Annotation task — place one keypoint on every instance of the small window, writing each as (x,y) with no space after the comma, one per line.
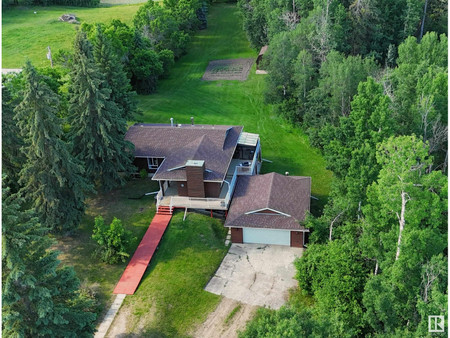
(152,162)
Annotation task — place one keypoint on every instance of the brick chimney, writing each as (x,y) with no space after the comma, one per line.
(194,175)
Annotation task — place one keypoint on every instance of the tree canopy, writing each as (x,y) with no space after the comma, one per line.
(39,298)
(51,179)
(97,127)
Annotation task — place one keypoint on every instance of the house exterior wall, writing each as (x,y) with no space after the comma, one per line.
(297,239)
(236,235)
(195,185)
(142,163)
(212,189)
(182,188)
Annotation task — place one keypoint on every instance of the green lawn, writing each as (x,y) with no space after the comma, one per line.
(184,94)
(27,35)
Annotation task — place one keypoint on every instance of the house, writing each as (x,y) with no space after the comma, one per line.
(268,209)
(196,166)
(217,167)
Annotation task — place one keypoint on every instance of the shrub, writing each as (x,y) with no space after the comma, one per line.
(113,240)
(143,173)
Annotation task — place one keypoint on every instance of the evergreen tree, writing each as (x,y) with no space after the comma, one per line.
(97,129)
(115,76)
(51,178)
(12,157)
(38,297)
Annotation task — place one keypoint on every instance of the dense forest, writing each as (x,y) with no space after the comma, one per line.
(367,81)
(63,132)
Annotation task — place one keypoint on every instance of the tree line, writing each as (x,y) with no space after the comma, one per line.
(373,99)
(64,139)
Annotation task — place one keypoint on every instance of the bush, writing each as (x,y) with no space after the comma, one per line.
(113,240)
(143,173)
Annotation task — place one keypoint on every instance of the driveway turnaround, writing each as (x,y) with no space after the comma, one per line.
(256,274)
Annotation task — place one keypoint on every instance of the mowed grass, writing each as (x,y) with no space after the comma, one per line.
(183,94)
(26,35)
(170,300)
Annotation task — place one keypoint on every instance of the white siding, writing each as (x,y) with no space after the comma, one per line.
(266,236)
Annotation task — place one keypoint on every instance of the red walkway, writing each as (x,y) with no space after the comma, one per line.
(133,273)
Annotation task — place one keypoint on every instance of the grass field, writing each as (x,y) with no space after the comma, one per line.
(184,94)
(27,35)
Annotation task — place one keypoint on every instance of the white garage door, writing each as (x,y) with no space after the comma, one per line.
(266,236)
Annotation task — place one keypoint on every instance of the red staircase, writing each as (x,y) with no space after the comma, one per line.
(164,210)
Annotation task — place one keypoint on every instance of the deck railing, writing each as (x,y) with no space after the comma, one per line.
(159,197)
(231,186)
(198,202)
(244,170)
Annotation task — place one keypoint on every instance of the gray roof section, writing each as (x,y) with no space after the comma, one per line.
(213,144)
(287,194)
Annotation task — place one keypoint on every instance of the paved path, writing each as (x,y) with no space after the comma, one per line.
(109,317)
(133,273)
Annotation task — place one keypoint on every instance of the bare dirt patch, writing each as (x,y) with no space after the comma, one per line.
(233,69)
(216,324)
(119,325)
(127,324)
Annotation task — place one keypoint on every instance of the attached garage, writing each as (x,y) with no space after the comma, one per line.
(266,236)
(268,209)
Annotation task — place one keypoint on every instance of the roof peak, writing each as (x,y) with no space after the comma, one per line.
(184,126)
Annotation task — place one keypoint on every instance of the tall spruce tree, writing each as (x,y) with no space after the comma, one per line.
(12,157)
(97,129)
(116,78)
(39,299)
(51,179)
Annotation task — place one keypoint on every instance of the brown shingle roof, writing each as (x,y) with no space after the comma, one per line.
(286,194)
(213,144)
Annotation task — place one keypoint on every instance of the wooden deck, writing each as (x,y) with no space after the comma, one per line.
(133,273)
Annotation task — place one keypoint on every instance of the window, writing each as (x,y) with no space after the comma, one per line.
(153,162)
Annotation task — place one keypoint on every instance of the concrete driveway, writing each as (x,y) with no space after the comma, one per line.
(256,274)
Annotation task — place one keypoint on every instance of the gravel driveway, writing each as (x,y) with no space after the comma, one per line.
(256,274)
